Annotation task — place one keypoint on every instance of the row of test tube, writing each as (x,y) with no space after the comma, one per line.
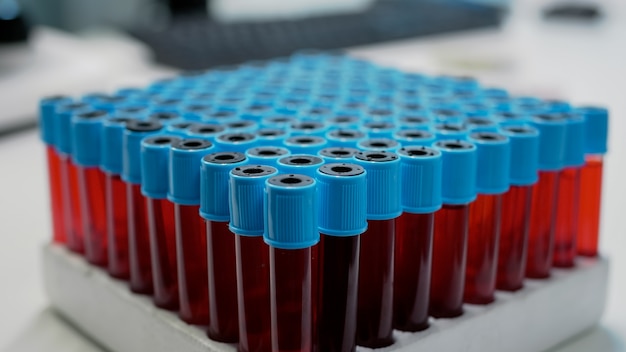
(317,202)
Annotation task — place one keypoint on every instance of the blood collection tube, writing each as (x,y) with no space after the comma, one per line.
(191,244)
(515,224)
(247,187)
(266,155)
(70,196)
(271,137)
(47,109)
(379,129)
(115,197)
(208,131)
(242,126)
(155,151)
(303,164)
(179,129)
(165,117)
(291,233)
(345,120)
(566,230)
(481,124)
(337,154)
(543,209)
(596,130)
(305,144)
(235,142)
(414,122)
(378,144)
(278,121)
(458,190)
(138,235)
(342,209)
(86,144)
(411,137)
(493,155)
(420,197)
(347,138)
(375,292)
(450,131)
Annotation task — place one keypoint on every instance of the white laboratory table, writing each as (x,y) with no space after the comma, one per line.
(581,63)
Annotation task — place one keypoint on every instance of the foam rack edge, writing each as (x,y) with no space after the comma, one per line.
(536,318)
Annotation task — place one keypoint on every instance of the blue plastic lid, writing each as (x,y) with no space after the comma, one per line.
(447,131)
(448,116)
(308,128)
(305,144)
(179,129)
(208,131)
(493,158)
(345,120)
(524,140)
(376,144)
(196,111)
(221,115)
(574,141)
(105,102)
(246,192)
(63,125)
(556,106)
(410,137)
(337,154)
(420,179)
(135,131)
(214,175)
(291,212)
(131,109)
(256,111)
(341,199)
(242,126)
(166,117)
(383,183)
(304,164)
(348,138)
(112,142)
(87,137)
(459,165)
(235,142)
(47,110)
(379,129)
(414,122)
(596,128)
(155,157)
(185,157)
(271,136)
(278,121)
(552,129)
(266,155)
(481,124)
(509,117)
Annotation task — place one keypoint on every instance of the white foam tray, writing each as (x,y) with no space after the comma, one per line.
(536,318)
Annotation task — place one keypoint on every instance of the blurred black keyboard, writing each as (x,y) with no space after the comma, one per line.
(195,42)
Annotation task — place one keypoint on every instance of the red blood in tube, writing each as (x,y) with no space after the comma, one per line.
(92,201)
(413,262)
(71,205)
(222,276)
(375,302)
(138,241)
(565,234)
(337,300)
(449,261)
(482,249)
(590,199)
(542,225)
(291,299)
(117,227)
(163,252)
(191,254)
(253,294)
(514,237)
(56,196)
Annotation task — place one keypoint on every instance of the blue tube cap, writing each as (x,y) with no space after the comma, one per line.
(458,171)
(337,154)
(574,141)
(308,128)
(208,131)
(63,125)
(411,137)
(344,137)
(47,110)
(552,129)
(481,124)
(86,137)
(185,157)
(271,136)
(266,155)
(524,140)
(291,212)
(155,156)
(450,131)
(135,131)
(596,128)
(246,192)
(414,122)
(378,144)
(214,174)
(493,155)
(112,142)
(420,179)
(304,164)
(235,142)
(342,199)
(305,144)
(383,183)
(179,129)
(379,129)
